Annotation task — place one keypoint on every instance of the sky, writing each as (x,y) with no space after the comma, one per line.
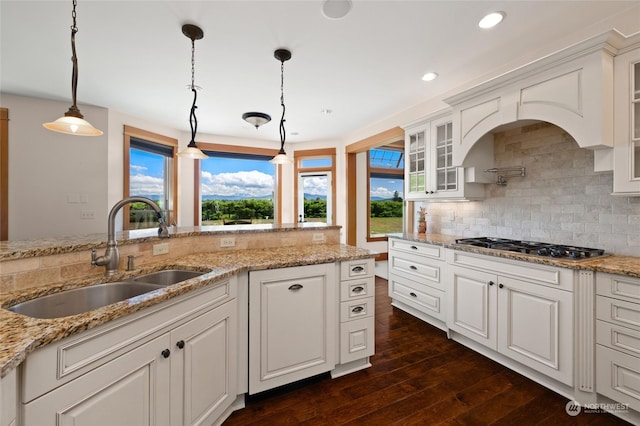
(232,177)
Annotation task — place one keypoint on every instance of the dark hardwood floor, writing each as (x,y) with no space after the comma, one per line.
(418,377)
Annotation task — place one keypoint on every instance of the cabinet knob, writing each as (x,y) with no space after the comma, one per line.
(357,309)
(412,294)
(501,285)
(180,344)
(358,289)
(165,353)
(414,248)
(295,287)
(357,269)
(413,267)
(491,283)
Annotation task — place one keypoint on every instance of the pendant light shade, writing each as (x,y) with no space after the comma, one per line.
(73,122)
(192,151)
(282,55)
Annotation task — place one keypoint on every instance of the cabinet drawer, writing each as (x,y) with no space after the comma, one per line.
(356,309)
(357,269)
(618,312)
(356,289)
(620,338)
(424,298)
(414,268)
(618,286)
(52,365)
(427,250)
(357,339)
(618,376)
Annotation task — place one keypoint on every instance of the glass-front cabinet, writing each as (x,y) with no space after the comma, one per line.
(626,168)
(430,174)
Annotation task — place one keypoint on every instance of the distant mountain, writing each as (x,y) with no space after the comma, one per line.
(381,199)
(234,197)
(314,196)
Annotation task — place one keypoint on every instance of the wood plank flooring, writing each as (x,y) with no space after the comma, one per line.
(418,377)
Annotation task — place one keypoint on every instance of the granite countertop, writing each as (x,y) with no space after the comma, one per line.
(44,247)
(20,335)
(612,264)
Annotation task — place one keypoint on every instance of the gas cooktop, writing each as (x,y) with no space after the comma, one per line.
(534,248)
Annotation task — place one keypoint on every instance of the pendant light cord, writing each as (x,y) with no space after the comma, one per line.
(283,133)
(193,120)
(73,110)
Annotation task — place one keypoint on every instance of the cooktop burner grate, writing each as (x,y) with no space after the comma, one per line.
(533,247)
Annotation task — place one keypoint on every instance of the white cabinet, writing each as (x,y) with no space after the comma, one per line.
(292,324)
(8,399)
(173,364)
(514,309)
(429,172)
(357,310)
(626,151)
(618,338)
(416,279)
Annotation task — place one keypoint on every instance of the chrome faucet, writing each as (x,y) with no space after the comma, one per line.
(111,258)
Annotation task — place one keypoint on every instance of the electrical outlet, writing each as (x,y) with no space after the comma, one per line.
(227,242)
(87,215)
(318,238)
(160,249)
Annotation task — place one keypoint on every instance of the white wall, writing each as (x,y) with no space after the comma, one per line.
(48,192)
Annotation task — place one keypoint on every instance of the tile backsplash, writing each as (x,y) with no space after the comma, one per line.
(560,200)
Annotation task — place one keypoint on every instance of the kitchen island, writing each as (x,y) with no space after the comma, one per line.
(296,250)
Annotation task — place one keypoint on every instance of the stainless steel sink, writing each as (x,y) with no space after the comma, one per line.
(80,300)
(168,276)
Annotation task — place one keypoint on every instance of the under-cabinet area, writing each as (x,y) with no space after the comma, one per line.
(192,358)
(568,328)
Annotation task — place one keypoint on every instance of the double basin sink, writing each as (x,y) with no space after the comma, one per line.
(85,299)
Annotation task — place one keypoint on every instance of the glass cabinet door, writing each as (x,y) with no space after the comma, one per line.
(446,174)
(635,123)
(416,161)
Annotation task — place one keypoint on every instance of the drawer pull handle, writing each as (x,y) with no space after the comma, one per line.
(414,247)
(413,267)
(180,344)
(357,269)
(357,309)
(412,294)
(165,353)
(358,289)
(295,287)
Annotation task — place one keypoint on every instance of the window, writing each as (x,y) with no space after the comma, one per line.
(151,171)
(386,191)
(236,185)
(315,188)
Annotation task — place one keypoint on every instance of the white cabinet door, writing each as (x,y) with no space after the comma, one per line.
(203,366)
(292,324)
(130,390)
(626,152)
(472,308)
(416,149)
(535,326)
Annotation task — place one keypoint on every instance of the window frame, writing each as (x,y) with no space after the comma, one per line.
(309,154)
(397,173)
(155,138)
(234,149)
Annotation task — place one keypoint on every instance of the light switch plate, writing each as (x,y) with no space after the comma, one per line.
(160,249)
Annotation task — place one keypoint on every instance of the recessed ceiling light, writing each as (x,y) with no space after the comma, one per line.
(430,76)
(326,111)
(491,20)
(336,9)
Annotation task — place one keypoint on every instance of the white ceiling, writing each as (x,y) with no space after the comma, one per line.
(133,57)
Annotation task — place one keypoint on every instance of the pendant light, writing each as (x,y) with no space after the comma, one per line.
(192,151)
(73,122)
(282,55)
